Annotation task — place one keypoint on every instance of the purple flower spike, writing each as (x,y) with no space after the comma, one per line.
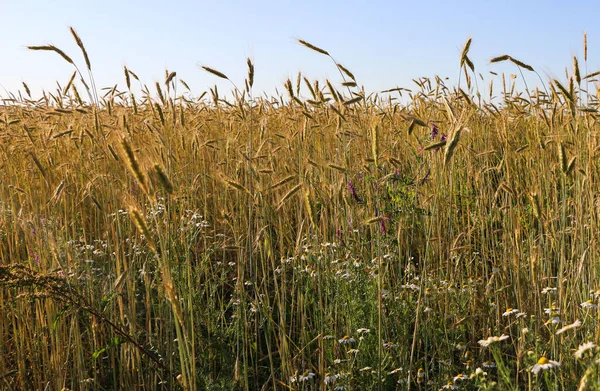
(382,226)
(434,131)
(340,236)
(35,257)
(353,192)
(443,138)
(422,181)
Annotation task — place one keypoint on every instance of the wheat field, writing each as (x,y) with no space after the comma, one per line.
(321,239)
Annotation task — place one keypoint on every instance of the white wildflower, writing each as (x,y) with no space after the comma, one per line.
(589,305)
(486,342)
(346,340)
(571,326)
(544,364)
(330,378)
(584,348)
(510,311)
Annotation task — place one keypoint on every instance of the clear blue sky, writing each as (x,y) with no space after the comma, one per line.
(384,43)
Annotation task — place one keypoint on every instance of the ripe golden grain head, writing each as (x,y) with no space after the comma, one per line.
(134,166)
(79,42)
(313,47)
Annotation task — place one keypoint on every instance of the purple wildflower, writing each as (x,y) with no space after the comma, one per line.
(443,138)
(381,222)
(35,257)
(382,226)
(353,191)
(375,187)
(422,181)
(340,236)
(434,131)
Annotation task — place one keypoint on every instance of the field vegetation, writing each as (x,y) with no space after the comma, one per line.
(324,238)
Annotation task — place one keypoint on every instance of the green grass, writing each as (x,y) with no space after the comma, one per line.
(323,239)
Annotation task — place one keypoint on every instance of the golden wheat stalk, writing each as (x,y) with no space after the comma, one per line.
(352,101)
(250,72)
(69,83)
(450,147)
(282,182)
(375,144)
(339,113)
(310,87)
(140,223)
(465,50)
(170,78)
(134,166)
(289,88)
(313,47)
(501,58)
(53,48)
(288,195)
(214,72)
(563,90)
(183,83)
(347,72)
(38,164)
(535,203)
(562,157)
(576,73)
(58,190)
(332,90)
(585,46)
(434,145)
(27,91)
(374,220)
(308,206)
(571,165)
(521,64)
(233,184)
(161,116)
(160,94)
(80,44)
(337,168)
(464,59)
(127,78)
(163,179)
